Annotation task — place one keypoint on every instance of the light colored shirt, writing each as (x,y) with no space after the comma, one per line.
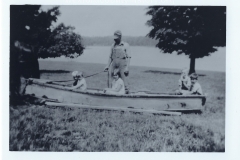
(118,84)
(81,85)
(196,89)
(124,46)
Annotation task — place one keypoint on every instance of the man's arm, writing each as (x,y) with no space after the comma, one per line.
(128,54)
(109,60)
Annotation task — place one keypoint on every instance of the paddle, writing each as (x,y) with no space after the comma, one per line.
(108,79)
(93,74)
(108,83)
(74,80)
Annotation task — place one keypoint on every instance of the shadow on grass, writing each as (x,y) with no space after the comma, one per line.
(166,72)
(53,71)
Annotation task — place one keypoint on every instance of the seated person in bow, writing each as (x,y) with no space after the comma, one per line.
(184,82)
(195,88)
(79,81)
(117,84)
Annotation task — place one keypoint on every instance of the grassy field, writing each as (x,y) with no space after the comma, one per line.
(38,128)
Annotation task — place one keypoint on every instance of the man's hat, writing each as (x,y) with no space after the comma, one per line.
(117,34)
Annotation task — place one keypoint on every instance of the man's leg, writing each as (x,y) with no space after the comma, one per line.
(125,79)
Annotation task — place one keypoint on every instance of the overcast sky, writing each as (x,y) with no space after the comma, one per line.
(104,20)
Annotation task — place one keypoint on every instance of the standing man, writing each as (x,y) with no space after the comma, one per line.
(119,58)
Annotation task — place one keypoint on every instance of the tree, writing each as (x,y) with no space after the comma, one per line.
(62,41)
(29,28)
(31,25)
(30,33)
(194,31)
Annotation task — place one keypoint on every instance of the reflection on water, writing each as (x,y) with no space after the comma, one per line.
(152,57)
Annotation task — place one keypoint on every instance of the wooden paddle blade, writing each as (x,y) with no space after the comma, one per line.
(113,108)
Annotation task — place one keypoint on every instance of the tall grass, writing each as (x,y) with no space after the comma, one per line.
(38,128)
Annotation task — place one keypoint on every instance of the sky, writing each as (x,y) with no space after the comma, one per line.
(104,20)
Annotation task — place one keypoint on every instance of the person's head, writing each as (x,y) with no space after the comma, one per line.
(77,75)
(194,78)
(116,74)
(117,36)
(184,72)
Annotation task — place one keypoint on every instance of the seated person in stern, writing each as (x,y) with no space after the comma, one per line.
(117,84)
(184,82)
(79,81)
(195,88)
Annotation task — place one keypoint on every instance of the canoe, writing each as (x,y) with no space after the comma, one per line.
(134,100)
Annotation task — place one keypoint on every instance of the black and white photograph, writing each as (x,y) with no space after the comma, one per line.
(117,78)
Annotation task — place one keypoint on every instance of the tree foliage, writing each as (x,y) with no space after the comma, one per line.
(62,41)
(192,30)
(31,25)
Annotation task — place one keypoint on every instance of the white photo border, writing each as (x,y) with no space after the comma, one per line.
(232,129)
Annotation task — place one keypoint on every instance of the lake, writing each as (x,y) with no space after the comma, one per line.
(152,57)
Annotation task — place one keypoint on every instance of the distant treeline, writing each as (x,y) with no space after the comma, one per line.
(108,40)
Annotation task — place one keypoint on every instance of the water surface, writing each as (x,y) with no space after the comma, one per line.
(152,57)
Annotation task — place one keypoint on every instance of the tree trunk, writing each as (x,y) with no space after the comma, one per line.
(23,65)
(192,65)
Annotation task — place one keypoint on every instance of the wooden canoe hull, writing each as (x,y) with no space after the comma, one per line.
(98,98)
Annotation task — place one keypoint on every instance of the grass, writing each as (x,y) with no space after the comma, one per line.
(38,128)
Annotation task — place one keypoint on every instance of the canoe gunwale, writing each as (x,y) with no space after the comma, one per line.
(37,82)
